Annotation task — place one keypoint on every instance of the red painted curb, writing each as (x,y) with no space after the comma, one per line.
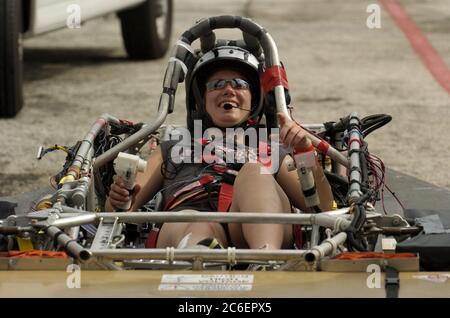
(429,56)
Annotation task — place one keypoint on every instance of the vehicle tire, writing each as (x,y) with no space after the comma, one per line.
(146,29)
(11,93)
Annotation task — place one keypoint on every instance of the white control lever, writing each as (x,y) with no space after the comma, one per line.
(305,160)
(127,166)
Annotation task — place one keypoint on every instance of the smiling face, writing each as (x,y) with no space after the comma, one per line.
(239,98)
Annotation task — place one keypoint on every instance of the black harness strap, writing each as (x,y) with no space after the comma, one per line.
(391,282)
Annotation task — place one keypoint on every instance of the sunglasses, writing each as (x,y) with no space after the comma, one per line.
(237,83)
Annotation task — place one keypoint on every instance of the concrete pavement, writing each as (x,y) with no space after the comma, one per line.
(335,65)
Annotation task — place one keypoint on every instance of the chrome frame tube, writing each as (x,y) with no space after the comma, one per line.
(81,219)
(70,245)
(332,152)
(138,136)
(328,247)
(170,254)
(88,140)
(336,223)
(315,236)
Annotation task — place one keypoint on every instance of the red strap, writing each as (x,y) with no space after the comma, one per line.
(225,197)
(202,141)
(302,150)
(264,149)
(264,154)
(220,168)
(323,147)
(152,238)
(274,76)
(297,229)
(251,122)
(206,179)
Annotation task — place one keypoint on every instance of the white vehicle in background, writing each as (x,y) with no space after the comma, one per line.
(146,28)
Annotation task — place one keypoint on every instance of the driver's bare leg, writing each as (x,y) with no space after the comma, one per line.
(257,192)
(171,234)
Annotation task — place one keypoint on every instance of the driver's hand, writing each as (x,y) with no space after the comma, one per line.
(119,195)
(291,134)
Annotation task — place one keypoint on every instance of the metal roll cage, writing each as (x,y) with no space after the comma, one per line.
(59,220)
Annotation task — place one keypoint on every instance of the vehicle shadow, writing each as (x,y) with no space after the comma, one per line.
(44,63)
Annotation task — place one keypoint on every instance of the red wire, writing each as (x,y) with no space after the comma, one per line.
(378,167)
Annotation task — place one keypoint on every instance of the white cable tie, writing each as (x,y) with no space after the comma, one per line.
(232,255)
(170,254)
(177,60)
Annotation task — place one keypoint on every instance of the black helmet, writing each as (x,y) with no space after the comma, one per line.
(229,57)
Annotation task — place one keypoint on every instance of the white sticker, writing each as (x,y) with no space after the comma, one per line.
(205,287)
(436,278)
(206,279)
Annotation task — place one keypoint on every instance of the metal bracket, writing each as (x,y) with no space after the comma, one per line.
(106,232)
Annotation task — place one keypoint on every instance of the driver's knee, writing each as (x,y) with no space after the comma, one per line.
(251,175)
(189,234)
(254,169)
